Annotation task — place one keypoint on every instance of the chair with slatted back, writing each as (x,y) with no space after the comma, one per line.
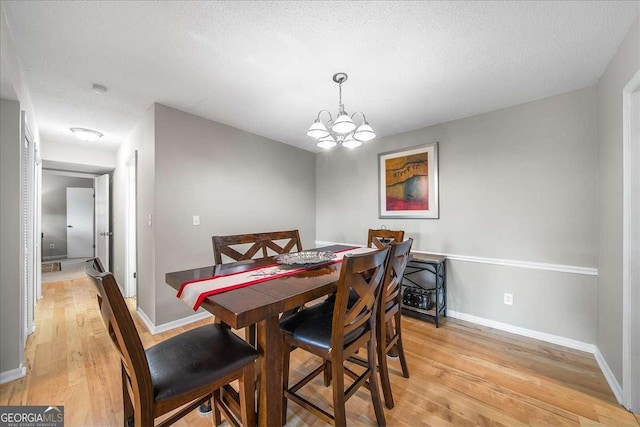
(389,331)
(335,331)
(279,242)
(379,238)
(187,369)
(235,247)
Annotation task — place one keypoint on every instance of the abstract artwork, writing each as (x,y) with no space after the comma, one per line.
(408,184)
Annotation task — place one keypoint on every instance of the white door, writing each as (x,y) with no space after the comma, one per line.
(103,233)
(79,222)
(131,281)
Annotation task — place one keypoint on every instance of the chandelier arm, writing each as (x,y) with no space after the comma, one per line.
(329,113)
(364,118)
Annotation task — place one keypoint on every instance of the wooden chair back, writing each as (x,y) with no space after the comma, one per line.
(360,275)
(389,322)
(98,267)
(123,334)
(279,242)
(379,238)
(391,297)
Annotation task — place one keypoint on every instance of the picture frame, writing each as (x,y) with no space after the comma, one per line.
(408,183)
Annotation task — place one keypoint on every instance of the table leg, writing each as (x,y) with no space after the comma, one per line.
(270,346)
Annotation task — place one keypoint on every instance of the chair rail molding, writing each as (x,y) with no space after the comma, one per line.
(561,268)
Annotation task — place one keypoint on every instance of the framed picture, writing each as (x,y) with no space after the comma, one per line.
(408,182)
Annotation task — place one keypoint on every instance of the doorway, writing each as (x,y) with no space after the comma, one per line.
(102,225)
(631,246)
(53,214)
(131,251)
(30,248)
(80,213)
(88,213)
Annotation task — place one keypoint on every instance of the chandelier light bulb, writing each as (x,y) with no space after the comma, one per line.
(343,124)
(349,142)
(364,133)
(326,142)
(317,130)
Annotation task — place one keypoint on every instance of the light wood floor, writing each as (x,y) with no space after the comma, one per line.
(461,374)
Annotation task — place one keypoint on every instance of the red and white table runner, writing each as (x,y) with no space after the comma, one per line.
(195,292)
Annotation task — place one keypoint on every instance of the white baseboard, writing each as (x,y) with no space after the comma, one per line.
(608,375)
(554,339)
(13,374)
(542,336)
(170,325)
(53,257)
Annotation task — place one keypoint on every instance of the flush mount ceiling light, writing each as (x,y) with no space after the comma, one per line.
(86,135)
(343,130)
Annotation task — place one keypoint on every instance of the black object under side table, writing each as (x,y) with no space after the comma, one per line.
(425,277)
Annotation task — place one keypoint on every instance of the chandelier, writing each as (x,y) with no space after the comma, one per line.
(343,130)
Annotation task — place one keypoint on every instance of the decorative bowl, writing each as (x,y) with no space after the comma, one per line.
(305,257)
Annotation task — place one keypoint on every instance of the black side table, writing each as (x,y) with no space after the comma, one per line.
(427,272)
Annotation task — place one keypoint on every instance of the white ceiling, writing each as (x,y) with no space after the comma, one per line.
(266,67)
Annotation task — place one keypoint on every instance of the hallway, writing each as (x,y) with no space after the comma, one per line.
(70,269)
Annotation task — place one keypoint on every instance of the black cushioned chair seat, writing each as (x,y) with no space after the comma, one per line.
(196,358)
(312,326)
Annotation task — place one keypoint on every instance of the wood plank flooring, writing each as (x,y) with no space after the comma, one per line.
(461,374)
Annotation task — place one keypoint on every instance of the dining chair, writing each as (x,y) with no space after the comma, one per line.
(381,237)
(98,268)
(389,322)
(235,247)
(335,331)
(187,369)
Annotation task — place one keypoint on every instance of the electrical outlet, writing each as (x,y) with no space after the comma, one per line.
(508,299)
(52,245)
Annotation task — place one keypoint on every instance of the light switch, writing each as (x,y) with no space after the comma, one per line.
(196,220)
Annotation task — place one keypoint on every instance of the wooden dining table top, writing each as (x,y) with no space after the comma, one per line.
(245,306)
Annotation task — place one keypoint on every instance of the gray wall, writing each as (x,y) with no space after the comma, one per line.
(237,182)
(516,184)
(10,260)
(142,140)
(620,70)
(54,210)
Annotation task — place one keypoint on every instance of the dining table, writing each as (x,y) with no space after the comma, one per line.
(261,304)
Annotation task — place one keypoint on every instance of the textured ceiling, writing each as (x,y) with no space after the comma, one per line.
(266,67)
